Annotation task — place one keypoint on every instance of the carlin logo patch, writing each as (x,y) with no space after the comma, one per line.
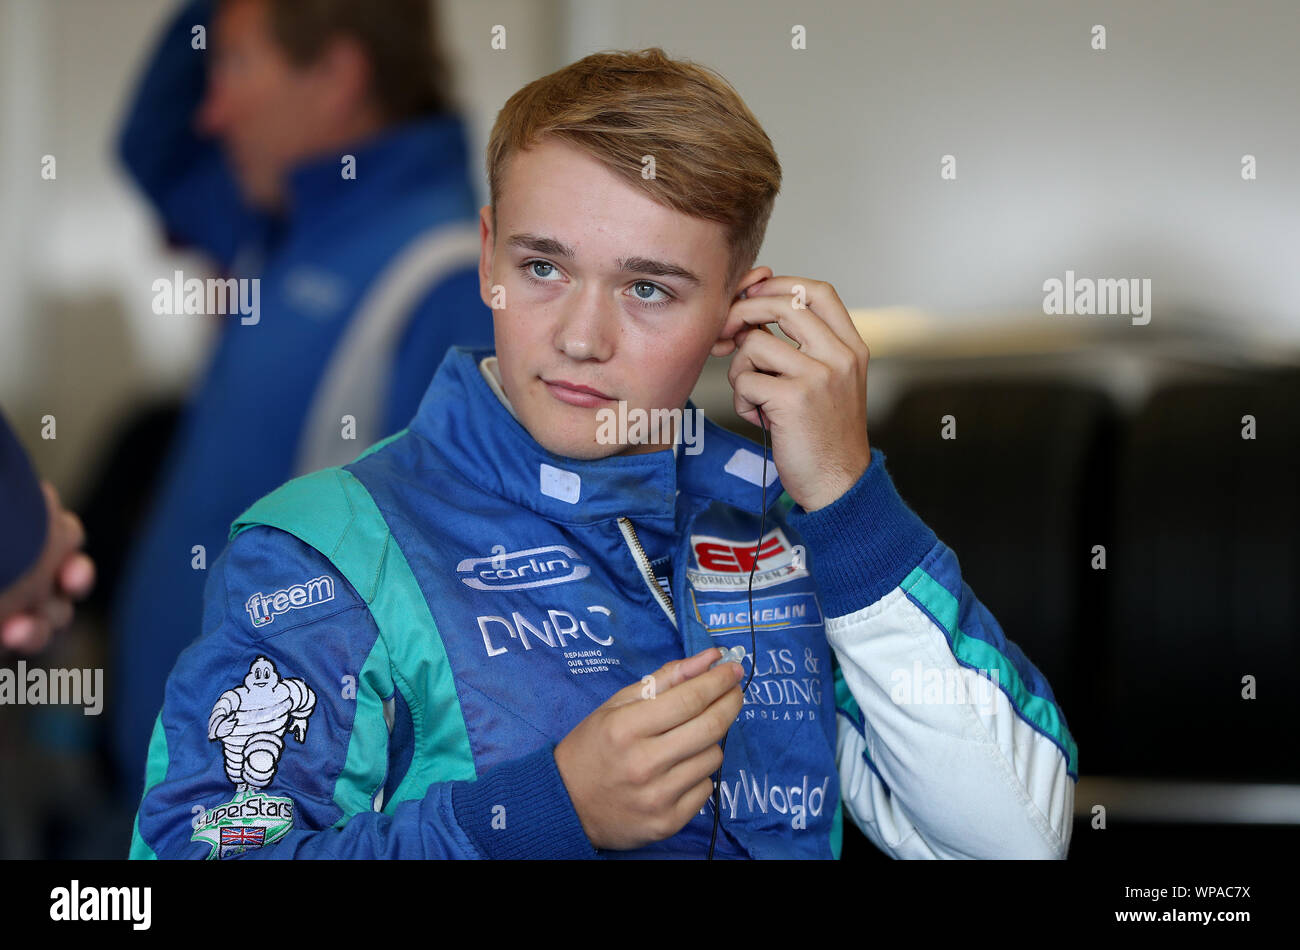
(724,565)
(250,722)
(517,570)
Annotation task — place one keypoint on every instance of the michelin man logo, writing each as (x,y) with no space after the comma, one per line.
(250,722)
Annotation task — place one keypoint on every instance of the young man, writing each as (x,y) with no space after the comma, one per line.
(475,632)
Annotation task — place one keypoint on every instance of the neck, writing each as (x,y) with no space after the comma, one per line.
(356,129)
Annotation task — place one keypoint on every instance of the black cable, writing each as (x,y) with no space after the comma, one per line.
(753,646)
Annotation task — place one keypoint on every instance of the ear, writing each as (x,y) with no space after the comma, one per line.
(347,72)
(725,344)
(487,241)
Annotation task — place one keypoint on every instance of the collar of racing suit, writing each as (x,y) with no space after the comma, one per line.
(484,438)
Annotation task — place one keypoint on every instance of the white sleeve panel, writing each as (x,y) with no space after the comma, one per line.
(967,776)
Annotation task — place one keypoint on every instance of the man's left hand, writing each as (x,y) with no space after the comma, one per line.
(813,395)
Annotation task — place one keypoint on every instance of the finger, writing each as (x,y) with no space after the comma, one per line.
(821,298)
(690,804)
(74,535)
(665,678)
(754,390)
(726,346)
(701,732)
(77,575)
(17,631)
(764,353)
(759,275)
(58,613)
(685,701)
(27,633)
(678,781)
(695,665)
(808,330)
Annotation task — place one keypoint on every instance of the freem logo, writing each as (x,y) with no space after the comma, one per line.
(516,570)
(264,608)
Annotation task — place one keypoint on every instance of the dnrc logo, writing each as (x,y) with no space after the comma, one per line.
(264,608)
(515,570)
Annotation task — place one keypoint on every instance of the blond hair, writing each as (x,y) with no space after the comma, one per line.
(712,159)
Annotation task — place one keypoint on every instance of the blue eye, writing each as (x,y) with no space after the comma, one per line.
(653,287)
(534,276)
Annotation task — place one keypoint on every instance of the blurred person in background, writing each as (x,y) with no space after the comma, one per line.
(310,144)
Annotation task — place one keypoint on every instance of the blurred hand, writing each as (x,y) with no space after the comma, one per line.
(39,604)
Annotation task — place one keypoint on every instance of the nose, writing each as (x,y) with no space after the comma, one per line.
(588,327)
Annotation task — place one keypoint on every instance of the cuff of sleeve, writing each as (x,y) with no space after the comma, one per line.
(863,544)
(26,517)
(536,818)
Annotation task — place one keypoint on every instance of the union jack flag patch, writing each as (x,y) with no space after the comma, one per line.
(240,839)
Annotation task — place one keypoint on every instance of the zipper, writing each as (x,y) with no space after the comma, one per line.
(647,573)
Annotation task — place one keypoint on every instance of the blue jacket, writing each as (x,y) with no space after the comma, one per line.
(391,651)
(363,288)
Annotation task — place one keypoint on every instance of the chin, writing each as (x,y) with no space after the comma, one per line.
(568,443)
(578,448)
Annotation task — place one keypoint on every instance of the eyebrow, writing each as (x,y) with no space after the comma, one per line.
(628,265)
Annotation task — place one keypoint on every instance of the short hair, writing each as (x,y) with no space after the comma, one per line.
(712,159)
(410,76)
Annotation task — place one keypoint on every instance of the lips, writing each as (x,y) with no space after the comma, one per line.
(575,394)
(575,387)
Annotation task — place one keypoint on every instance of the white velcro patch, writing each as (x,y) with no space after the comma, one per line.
(749,466)
(561,484)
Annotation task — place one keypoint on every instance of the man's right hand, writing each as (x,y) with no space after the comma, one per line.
(638,768)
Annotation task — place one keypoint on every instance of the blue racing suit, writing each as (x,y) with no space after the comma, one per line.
(391,651)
